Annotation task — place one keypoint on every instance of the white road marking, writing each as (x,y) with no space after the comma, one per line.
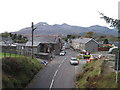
(59,66)
(51,84)
(53,79)
(75,70)
(63,60)
(55,73)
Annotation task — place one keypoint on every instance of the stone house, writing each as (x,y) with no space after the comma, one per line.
(88,44)
(44,46)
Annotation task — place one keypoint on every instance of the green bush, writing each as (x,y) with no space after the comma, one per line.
(17,72)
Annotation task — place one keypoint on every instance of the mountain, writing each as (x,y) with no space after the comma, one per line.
(44,28)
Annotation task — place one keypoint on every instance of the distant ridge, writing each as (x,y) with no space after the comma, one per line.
(44,28)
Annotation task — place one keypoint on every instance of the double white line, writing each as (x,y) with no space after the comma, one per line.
(53,79)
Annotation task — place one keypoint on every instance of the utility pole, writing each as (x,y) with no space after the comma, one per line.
(117,66)
(118,59)
(32,26)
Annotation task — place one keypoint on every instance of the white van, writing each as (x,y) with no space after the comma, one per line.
(113,50)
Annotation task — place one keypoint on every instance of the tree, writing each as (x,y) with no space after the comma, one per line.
(14,36)
(106,41)
(69,36)
(5,34)
(114,22)
(19,37)
(89,35)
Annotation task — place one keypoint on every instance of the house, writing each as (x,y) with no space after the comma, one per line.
(20,48)
(88,44)
(7,40)
(7,45)
(44,46)
(15,48)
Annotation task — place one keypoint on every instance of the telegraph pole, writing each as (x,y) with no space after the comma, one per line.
(118,58)
(32,26)
(117,66)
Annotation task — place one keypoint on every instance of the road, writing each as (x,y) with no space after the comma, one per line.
(58,73)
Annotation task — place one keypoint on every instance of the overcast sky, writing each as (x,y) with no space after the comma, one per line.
(18,14)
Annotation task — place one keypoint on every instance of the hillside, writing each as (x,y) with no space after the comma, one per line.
(64,29)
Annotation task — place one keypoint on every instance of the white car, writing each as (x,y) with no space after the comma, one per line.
(74,61)
(62,53)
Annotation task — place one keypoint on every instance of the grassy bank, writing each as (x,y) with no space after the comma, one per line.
(93,76)
(17,72)
(2,55)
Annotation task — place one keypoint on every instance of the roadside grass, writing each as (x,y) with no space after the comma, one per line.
(93,77)
(17,72)
(2,55)
(90,70)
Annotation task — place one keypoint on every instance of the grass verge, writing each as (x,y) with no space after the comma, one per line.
(93,77)
(3,55)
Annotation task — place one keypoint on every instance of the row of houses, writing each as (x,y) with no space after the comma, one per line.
(91,45)
(43,47)
(48,46)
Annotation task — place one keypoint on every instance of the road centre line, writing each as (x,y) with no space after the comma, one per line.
(59,66)
(53,79)
(55,73)
(75,69)
(51,84)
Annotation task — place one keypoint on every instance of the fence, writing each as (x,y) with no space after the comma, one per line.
(13,52)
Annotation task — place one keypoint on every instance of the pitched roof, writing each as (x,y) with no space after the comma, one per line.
(7,40)
(35,43)
(83,40)
(45,39)
(2,43)
(38,40)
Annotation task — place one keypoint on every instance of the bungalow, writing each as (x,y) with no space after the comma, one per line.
(88,44)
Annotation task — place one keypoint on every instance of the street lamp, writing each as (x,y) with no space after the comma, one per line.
(32,26)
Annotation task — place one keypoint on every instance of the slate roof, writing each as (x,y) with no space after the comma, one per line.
(2,43)
(45,39)
(7,40)
(35,43)
(38,40)
(83,40)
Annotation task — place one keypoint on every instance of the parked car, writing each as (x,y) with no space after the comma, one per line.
(113,50)
(62,53)
(74,61)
